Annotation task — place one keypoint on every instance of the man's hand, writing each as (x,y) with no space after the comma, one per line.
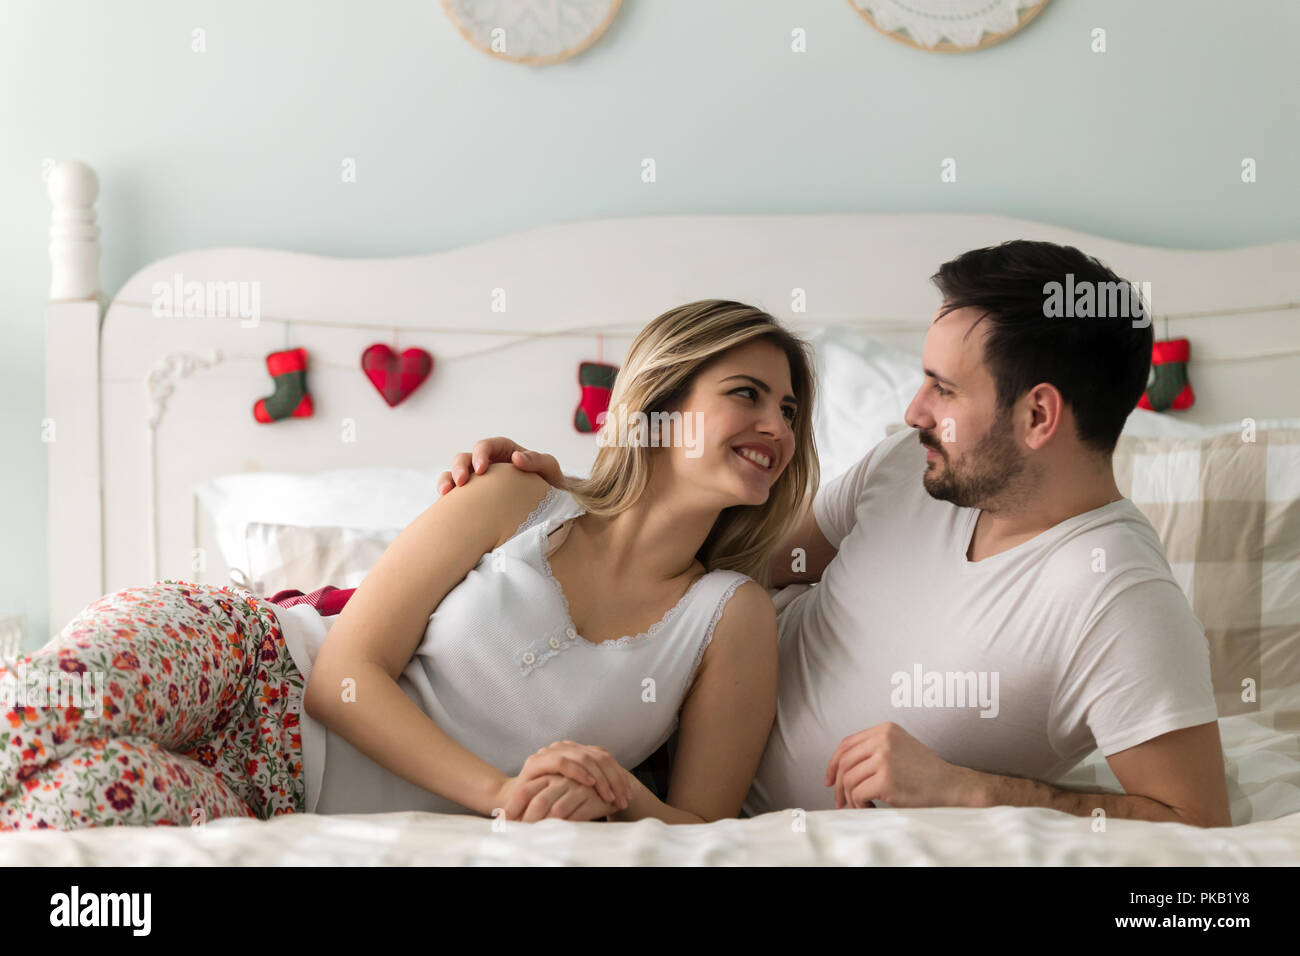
(887,763)
(490,450)
(1174,778)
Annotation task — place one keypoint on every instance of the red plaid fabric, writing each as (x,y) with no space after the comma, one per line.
(396,376)
(327,600)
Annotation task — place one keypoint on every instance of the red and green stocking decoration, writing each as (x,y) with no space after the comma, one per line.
(291,400)
(1169,386)
(596,381)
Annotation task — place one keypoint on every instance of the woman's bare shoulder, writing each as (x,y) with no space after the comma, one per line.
(744,635)
(506,495)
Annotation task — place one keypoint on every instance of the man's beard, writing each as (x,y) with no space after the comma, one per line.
(983,474)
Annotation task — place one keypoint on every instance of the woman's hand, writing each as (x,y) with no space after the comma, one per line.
(591,767)
(556,796)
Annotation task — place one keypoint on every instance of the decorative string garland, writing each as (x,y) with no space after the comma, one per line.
(881,325)
(516,336)
(397,376)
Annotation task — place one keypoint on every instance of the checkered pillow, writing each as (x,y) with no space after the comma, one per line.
(1227,509)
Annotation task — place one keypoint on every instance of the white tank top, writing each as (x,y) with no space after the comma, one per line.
(503,672)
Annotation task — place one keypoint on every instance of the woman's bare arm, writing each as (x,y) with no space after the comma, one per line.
(725,721)
(353,688)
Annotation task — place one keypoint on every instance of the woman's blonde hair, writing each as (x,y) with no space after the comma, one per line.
(658,374)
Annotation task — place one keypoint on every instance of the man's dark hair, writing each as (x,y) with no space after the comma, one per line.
(1099,363)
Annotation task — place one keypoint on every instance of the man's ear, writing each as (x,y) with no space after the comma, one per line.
(1044,409)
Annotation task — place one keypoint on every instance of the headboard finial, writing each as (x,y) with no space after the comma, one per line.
(74,237)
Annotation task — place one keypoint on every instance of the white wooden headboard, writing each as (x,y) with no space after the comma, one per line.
(140,407)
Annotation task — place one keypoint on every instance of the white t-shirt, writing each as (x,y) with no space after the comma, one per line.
(1020,664)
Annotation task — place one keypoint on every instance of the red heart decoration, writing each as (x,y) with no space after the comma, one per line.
(396,378)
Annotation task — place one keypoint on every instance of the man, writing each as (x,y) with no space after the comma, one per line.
(989,608)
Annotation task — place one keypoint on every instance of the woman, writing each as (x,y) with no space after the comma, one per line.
(514,650)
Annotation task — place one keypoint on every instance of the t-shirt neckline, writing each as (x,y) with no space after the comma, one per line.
(968,532)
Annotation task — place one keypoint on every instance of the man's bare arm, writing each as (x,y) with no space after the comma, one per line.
(803,556)
(1177,778)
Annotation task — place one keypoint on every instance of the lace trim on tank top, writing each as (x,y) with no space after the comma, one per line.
(627,639)
(558,640)
(541,506)
(713,622)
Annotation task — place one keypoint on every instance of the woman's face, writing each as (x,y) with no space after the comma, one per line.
(737,424)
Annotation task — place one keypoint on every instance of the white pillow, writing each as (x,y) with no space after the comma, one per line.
(292,556)
(864,386)
(367,499)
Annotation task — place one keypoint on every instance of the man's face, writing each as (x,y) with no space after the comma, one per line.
(972,453)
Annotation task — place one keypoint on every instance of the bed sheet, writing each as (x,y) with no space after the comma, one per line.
(1263,766)
(1002,836)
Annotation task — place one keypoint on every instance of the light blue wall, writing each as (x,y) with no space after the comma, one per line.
(242,145)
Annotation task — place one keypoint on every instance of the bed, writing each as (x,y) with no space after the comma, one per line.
(160,470)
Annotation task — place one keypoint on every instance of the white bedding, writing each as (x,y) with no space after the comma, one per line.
(1004,836)
(1263,765)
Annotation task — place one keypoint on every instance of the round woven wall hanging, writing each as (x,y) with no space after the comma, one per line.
(948,26)
(535,32)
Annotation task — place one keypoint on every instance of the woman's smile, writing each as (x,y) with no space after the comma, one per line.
(756,456)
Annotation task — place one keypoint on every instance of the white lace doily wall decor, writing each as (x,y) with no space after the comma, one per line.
(534,32)
(948,26)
